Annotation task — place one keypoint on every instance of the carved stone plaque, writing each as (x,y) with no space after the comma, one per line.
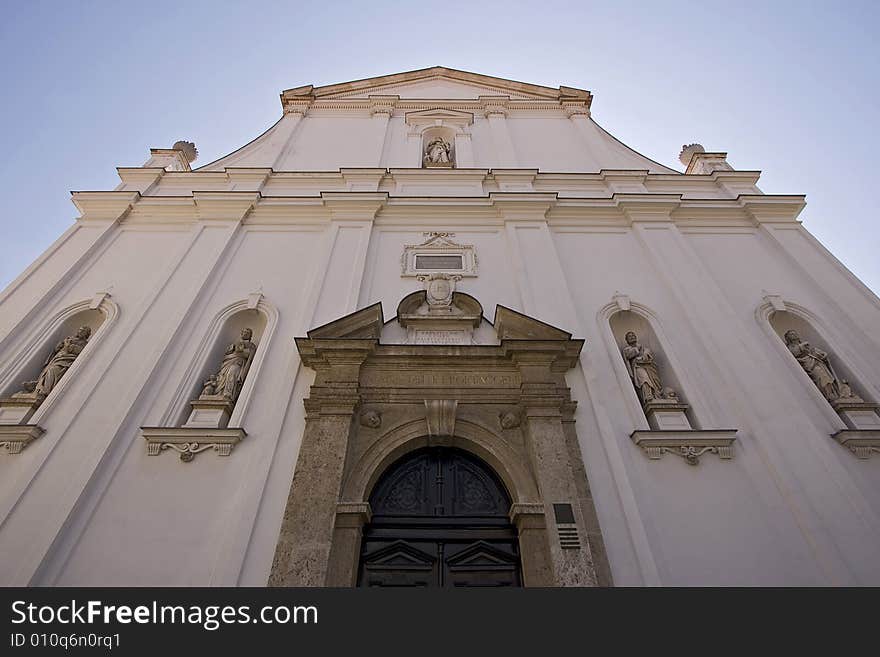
(440,337)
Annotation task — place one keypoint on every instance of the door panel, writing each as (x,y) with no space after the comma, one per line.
(439,519)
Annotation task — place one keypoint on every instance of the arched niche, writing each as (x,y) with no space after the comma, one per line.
(98,314)
(624,321)
(224,330)
(782,321)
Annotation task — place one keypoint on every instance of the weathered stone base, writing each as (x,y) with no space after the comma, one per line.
(665,415)
(859,415)
(18,409)
(189,441)
(690,445)
(209,413)
(15,437)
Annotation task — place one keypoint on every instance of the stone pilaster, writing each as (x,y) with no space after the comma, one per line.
(302,556)
(545,400)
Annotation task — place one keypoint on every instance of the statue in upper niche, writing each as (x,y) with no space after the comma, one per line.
(643,372)
(233,370)
(438,151)
(57,364)
(817,364)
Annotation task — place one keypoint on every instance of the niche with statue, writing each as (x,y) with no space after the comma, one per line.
(225,370)
(438,148)
(47,365)
(653,379)
(833,379)
(673,427)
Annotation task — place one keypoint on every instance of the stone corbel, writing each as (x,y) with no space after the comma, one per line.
(15,437)
(189,441)
(689,445)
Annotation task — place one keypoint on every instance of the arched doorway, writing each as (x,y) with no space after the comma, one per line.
(440,519)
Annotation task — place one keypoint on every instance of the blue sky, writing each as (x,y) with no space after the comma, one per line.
(790,88)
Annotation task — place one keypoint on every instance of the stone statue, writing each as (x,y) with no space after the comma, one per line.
(438,151)
(642,370)
(233,370)
(371,419)
(509,420)
(816,363)
(209,386)
(58,362)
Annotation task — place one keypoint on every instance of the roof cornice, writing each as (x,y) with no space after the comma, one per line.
(311,94)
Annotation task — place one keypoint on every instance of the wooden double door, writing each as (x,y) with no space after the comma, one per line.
(440,519)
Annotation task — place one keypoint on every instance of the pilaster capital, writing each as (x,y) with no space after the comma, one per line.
(354,206)
(523,206)
(106,206)
(648,207)
(383,105)
(494,106)
(575,108)
(298,100)
(224,206)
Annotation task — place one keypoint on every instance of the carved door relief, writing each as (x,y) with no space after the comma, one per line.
(439,464)
(440,518)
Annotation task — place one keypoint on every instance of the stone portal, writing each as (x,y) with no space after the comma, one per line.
(504,404)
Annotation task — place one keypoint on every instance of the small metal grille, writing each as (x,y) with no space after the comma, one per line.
(568,537)
(439,262)
(565,525)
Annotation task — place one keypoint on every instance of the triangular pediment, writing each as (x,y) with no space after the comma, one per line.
(436,82)
(364,323)
(512,325)
(481,555)
(438,114)
(399,555)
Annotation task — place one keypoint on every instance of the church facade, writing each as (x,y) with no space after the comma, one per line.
(438,329)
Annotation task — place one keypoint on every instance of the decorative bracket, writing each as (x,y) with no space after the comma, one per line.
(690,445)
(189,441)
(861,442)
(15,437)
